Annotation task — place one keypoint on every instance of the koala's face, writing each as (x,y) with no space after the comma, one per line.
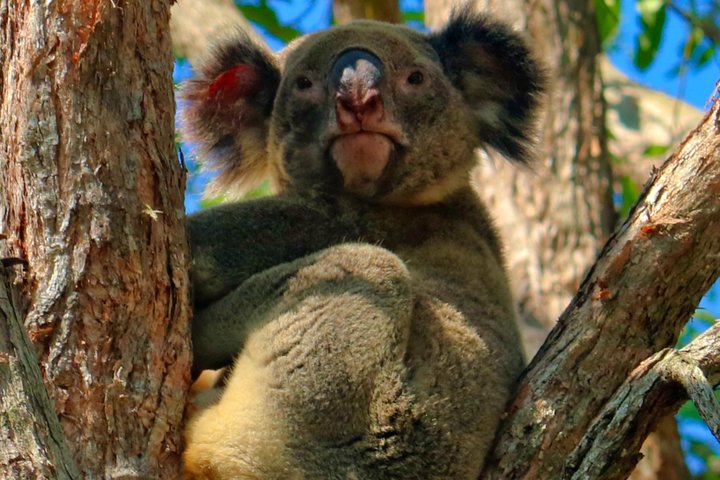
(367,109)
(374,110)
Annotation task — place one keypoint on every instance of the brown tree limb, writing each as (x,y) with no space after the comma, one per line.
(633,303)
(609,448)
(194,24)
(34,445)
(697,368)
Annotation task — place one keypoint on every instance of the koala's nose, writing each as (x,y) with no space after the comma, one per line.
(356,76)
(356,68)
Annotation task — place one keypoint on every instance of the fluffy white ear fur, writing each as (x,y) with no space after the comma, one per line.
(226,112)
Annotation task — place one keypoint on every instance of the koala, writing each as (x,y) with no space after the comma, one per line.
(364,308)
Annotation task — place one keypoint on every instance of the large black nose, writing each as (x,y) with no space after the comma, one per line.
(356,69)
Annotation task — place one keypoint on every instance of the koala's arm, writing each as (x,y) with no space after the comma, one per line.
(220,329)
(242,257)
(232,242)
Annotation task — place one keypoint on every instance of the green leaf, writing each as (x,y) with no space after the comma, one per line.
(265,16)
(655,150)
(705,56)
(652,19)
(705,316)
(695,36)
(413,16)
(211,202)
(261,190)
(695,48)
(630,194)
(688,411)
(607,14)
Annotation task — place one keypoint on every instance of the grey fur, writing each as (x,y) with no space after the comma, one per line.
(372,325)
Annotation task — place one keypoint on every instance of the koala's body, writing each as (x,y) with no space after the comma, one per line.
(365,305)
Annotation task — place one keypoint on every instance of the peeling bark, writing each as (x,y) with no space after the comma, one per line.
(91,196)
(633,303)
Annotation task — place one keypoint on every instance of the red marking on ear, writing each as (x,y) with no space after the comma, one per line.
(237,82)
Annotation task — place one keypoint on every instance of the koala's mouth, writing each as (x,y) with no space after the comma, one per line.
(362,158)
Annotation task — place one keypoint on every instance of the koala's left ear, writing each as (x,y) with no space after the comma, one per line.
(493,68)
(226,113)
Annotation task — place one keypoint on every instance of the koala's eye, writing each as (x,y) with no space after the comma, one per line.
(303,83)
(415,78)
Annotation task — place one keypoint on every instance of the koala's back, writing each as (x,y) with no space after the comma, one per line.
(393,363)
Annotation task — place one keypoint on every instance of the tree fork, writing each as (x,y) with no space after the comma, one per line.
(609,447)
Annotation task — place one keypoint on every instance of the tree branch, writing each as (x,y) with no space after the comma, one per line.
(195,23)
(633,303)
(693,367)
(345,11)
(609,448)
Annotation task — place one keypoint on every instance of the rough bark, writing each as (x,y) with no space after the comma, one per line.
(91,196)
(608,448)
(632,304)
(33,446)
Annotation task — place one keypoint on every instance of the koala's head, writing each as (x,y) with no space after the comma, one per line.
(374,110)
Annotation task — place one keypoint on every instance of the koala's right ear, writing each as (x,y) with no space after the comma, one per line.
(227,110)
(493,68)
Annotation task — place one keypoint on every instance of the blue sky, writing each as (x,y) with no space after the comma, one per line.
(696,87)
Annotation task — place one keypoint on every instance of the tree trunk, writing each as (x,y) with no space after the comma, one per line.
(91,195)
(345,11)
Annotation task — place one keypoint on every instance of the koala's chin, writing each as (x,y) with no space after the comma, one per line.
(362,158)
